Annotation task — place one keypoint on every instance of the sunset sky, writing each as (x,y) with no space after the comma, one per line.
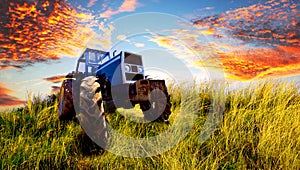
(247,40)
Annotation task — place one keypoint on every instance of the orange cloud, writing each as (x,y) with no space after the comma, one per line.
(55,79)
(239,61)
(36,31)
(261,63)
(4,67)
(8,100)
(126,6)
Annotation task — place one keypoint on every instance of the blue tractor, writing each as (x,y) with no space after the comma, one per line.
(122,83)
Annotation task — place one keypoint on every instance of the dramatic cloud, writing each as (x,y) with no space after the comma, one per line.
(258,41)
(55,79)
(127,6)
(240,62)
(35,31)
(269,23)
(261,62)
(8,100)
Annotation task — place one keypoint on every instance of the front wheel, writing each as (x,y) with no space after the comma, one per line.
(158,108)
(91,112)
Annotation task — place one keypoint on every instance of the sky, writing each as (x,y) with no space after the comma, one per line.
(243,40)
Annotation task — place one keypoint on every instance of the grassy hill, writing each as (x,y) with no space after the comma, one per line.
(260,129)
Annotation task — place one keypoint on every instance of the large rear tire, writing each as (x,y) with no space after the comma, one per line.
(65,101)
(91,112)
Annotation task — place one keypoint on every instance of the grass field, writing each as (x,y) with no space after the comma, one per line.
(260,129)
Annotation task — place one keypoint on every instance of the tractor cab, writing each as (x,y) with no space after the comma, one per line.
(90,60)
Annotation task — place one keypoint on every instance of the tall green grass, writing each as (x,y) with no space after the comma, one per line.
(260,129)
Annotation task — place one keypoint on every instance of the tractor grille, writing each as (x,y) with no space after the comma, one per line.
(134,68)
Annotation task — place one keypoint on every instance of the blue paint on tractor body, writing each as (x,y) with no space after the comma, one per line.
(97,63)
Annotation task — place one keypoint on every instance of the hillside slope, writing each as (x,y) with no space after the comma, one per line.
(260,129)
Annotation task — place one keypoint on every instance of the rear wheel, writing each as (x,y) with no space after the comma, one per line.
(65,101)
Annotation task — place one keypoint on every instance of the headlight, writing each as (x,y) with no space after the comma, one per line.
(140,69)
(127,68)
